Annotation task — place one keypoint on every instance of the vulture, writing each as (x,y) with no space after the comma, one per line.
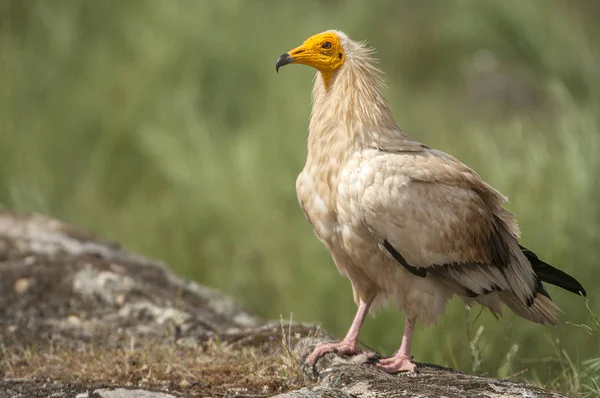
(407,224)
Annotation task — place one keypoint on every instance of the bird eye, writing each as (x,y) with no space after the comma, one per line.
(326,45)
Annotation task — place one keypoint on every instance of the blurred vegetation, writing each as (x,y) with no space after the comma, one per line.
(163,125)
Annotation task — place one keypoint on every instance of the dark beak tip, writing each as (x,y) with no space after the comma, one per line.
(283,60)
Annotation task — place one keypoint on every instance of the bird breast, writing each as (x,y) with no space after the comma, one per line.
(315,197)
(329,194)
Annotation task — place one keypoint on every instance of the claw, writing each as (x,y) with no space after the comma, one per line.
(396,364)
(341,348)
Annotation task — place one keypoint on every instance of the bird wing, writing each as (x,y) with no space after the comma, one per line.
(437,218)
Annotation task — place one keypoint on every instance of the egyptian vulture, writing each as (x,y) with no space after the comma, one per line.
(406,223)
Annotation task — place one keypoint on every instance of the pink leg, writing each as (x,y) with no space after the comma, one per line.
(349,345)
(401,361)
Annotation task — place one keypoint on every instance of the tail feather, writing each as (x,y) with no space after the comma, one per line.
(542,310)
(554,276)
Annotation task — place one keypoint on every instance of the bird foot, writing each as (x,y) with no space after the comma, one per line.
(341,348)
(396,364)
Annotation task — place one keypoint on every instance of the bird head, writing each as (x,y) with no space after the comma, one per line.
(323,51)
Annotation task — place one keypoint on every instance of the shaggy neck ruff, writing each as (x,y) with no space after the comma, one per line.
(350,110)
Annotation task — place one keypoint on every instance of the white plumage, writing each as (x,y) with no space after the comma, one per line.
(405,223)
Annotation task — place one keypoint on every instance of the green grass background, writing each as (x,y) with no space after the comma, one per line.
(163,125)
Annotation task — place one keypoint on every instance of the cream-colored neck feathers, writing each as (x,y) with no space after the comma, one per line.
(351,110)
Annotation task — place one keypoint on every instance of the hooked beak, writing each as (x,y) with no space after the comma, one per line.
(298,55)
(283,60)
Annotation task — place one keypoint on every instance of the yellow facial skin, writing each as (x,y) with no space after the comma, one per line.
(322,51)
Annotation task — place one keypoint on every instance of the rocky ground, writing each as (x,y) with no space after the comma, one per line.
(80,317)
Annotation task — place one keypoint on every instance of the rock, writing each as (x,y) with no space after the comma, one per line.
(317,392)
(125,393)
(357,377)
(81,317)
(62,284)
(21,285)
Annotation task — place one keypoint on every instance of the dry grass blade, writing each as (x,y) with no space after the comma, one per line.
(213,367)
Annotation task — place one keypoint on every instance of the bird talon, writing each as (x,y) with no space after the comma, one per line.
(341,348)
(397,364)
